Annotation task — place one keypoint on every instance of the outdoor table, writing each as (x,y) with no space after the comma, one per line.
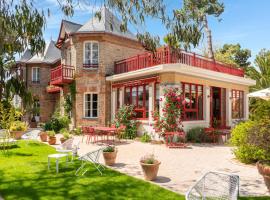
(106,130)
(57,157)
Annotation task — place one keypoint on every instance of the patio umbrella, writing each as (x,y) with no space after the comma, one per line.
(263,94)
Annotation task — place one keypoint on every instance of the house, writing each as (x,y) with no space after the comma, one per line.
(108,68)
(36,74)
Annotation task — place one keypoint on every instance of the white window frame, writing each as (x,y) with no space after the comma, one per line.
(92,42)
(35,76)
(91,105)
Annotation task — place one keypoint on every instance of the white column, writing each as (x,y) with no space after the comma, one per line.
(121,96)
(113,103)
(151,101)
(207,97)
(228,107)
(246,106)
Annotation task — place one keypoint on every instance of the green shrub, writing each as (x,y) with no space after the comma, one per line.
(195,134)
(50,133)
(249,138)
(76,131)
(18,126)
(145,138)
(57,123)
(109,149)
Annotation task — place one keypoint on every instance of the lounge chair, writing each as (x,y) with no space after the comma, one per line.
(215,185)
(87,159)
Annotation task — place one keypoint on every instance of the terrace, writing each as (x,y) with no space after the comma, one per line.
(62,74)
(167,56)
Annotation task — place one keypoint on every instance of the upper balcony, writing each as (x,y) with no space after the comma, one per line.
(166,56)
(62,74)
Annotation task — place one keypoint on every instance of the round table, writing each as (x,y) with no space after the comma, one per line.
(57,156)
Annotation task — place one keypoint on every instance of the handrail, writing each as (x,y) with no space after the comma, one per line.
(62,72)
(166,56)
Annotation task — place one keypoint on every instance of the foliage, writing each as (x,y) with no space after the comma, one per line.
(191,19)
(171,41)
(244,137)
(148,159)
(27,166)
(57,123)
(261,71)
(68,104)
(195,134)
(8,114)
(149,42)
(109,148)
(233,54)
(18,126)
(50,133)
(125,116)
(171,120)
(76,131)
(259,109)
(146,138)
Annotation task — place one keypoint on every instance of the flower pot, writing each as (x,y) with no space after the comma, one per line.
(109,157)
(264,170)
(62,140)
(52,140)
(150,171)
(43,136)
(17,134)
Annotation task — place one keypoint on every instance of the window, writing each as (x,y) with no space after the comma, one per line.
(68,61)
(139,97)
(90,105)
(91,55)
(35,74)
(36,107)
(193,107)
(237,104)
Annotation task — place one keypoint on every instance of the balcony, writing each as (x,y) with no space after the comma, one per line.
(53,89)
(62,74)
(166,56)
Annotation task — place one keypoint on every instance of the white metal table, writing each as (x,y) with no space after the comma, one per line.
(57,158)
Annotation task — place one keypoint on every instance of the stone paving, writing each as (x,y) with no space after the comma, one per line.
(180,168)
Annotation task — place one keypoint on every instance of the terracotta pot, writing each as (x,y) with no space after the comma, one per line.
(264,170)
(150,171)
(109,157)
(62,140)
(52,140)
(17,134)
(43,136)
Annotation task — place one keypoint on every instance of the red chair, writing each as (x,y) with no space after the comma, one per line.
(89,132)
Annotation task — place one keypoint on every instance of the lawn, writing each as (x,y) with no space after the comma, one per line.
(24,175)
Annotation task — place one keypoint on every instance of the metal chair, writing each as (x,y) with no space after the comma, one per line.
(89,132)
(69,147)
(87,159)
(215,185)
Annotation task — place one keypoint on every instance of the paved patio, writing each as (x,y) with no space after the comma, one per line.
(180,168)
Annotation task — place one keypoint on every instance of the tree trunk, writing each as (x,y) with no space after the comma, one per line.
(209,38)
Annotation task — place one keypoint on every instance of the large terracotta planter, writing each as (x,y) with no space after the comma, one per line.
(52,140)
(109,157)
(150,171)
(43,136)
(17,134)
(264,170)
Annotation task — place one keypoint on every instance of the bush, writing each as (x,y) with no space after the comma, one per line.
(195,134)
(145,138)
(18,126)
(57,123)
(250,138)
(50,133)
(76,131)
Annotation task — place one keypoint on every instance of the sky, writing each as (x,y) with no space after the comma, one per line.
(243,21)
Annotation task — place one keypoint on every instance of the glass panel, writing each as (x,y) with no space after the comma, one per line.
(157,98)
(146,101)
(87,53)
(95,97)
(127,96)
(193,96)
(200,102)
(94,113)
(134,96)
(187,95)
(140,96)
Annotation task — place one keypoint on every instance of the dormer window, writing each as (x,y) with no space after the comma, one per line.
(91,54)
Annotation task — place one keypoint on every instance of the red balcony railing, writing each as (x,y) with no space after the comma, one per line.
(62,74)
(166,55)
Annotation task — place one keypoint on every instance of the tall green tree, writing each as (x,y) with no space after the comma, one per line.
(191,22)
(233,54)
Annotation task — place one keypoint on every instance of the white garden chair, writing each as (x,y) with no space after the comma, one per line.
(87,159)
(31,135)
(215,185)
(69,147)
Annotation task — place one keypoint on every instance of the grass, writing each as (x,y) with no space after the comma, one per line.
(24,175)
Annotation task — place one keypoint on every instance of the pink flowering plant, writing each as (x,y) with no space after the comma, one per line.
(171,119)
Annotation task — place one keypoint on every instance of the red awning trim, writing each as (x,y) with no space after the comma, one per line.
(136,82)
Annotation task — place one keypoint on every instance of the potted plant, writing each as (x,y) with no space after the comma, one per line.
(43,134)
(65,134)
(17,129)
(52,138)
(264,169)
(109,155)
(150,166)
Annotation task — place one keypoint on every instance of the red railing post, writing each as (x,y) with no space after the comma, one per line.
(193,59)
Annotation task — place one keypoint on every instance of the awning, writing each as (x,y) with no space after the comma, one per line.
(263,94)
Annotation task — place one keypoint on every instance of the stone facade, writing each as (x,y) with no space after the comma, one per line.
(111,49)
